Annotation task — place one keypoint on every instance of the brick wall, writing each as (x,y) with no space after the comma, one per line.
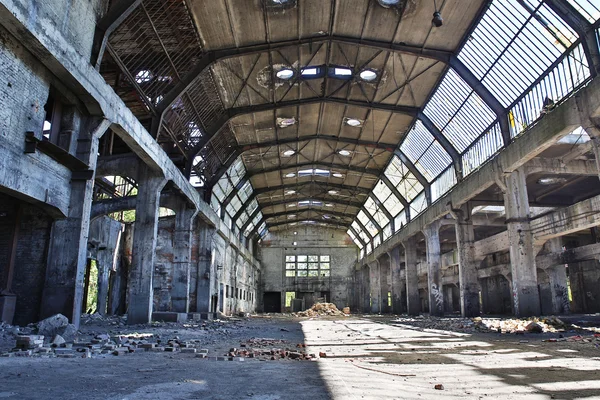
(31,257)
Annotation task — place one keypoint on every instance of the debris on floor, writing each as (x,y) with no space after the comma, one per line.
(494,325)
(322,309)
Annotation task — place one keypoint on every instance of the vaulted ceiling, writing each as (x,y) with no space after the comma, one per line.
(288,111)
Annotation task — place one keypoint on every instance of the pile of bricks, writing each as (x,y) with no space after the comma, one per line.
(255,348)
(101,345)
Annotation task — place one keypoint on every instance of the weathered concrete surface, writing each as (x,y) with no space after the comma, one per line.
(547,131)
(103,246)
(434,284)
(375,287)
(53,47)
(67,256)
(467,266)
(144,247)
(522,253)
(398,286)
(412,278)
(309,241)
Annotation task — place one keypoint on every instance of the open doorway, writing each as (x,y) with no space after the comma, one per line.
(272,302)
(90,294)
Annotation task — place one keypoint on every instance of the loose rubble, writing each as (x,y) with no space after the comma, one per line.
(322,309)
(497,325)
(262,349)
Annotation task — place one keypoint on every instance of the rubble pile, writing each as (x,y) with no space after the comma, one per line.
(514,325)
(321,309)
(262,349)
(495,325)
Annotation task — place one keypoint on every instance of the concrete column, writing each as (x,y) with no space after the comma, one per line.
(366,290)
(396,281)
(67,251)
(145,233)
(413,302)
(375,286)
(467,265)
(434,262)
(596,148)
(526,298)
(206,270)
(559,285)
(182,252)
(384,279)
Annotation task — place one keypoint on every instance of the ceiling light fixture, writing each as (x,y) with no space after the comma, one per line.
(388,3)
(290,175)
(333,192)
(289,153)
(290,192)
(344,153)
(285,122)
(551,180)
(353,122)
(437,20)
(368,75)
(285,73)
(328,205)
(338,175)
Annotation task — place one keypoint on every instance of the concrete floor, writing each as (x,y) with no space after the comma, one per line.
(367,358)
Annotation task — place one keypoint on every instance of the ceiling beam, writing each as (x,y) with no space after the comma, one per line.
(445,143)
(275,224)
(357,236)
(107,25)
(215,56)
(300,208)
(296,186)
(239,150)
(234,112)
(585,30)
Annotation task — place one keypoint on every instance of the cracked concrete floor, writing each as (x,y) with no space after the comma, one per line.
(367,358)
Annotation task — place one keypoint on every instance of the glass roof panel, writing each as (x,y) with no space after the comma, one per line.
(588,8)
(406,183)
(515,42)
(428,156)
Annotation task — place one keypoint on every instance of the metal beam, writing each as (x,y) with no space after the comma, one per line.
(445,143)
(340,167)
(297,185)
(275,224)
(307,210)
(584,29)
(242,149)
(106,26)
(288,201)
(357,236)
(355,204)
(218,55)
(485,95)
(394,190)
(411,167)
(383,209)
(234,112)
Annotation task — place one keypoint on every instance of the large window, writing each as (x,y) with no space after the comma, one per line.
(307,266)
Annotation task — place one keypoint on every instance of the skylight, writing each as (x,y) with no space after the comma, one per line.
(313,171)
(286,122)
(368,75)
(353,122)
(285,73)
